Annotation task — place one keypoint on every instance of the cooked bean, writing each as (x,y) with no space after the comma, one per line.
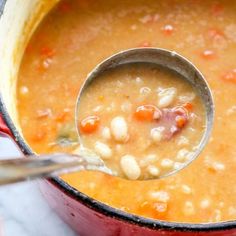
(186,189)
(149,159)
(130,167)
(153,170)
(218,166)
(119,129)
(161,196)
(166,97)
(157,134)
(177,165)
(103,150)
(205,203)
(182,154)
(145,91)
(189,208)
(24,90)
(182,141)
(167,163)
(188,97)
(126,106)
(106,133)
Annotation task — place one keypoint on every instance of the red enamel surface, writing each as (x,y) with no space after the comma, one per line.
(87,222)
(3,127)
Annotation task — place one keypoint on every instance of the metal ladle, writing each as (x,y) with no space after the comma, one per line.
(41,166)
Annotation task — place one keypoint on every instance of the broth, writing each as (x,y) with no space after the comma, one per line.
(76,36)
(146,115)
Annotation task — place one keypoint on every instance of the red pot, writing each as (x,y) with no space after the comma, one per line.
(84,214)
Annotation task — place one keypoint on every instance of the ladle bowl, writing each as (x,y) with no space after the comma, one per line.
(168,60)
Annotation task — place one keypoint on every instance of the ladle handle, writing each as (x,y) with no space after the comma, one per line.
(20,169)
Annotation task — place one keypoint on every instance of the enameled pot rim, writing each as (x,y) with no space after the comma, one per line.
(101,207)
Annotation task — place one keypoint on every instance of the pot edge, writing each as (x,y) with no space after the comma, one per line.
(108,210)
(101,207)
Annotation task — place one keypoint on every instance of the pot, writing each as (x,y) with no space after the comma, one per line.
(18,20)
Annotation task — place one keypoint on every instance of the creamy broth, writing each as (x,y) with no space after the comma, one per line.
(76,36)
(146,115)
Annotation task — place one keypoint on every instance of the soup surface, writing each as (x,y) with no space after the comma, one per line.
(76,36)
(142,120)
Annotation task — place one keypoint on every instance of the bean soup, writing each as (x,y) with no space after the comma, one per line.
(79,34)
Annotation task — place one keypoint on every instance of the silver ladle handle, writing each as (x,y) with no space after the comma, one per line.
(21,169)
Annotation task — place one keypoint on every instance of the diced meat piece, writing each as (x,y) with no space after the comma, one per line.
(173,120)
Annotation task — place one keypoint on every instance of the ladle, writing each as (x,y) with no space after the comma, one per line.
(48,165)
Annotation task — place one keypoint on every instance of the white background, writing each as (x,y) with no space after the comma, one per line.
(23,210)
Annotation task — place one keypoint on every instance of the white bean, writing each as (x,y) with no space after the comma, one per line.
(178,165)
(157,134)
(205,203)
(232,211)
(165,101)
(24,90)
(161,196)
(126,106)
(138,80)
(187,97)
(145,91)
(182,141)
(182,154)
(106,133)
(119,148)
(149,159)
(186,189)
(103,150)
(153,170)
(218,166)
(119,129)
(167,163)
(189,208)
(166,97)
(97,108)
(130,167)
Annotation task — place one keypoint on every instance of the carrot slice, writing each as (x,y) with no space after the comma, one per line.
(230,76)
(147,113)
(217,9)
(168,29)
(208,54)
(64,7)
(145,44)
(188,106)
(39,136)
(62,117)
(181,121)
(89,124)
(47,52)
(215,33)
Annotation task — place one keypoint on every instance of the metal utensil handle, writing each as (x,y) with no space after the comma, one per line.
(20,169)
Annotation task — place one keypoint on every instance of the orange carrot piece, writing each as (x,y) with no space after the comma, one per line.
(208,54)
(145,44)
(168,29)
(39,136)
(61,117)
(217,9)
(181,121)
(188,106)
(47,52)
(90,124)
(64,7)
(147,113)
(215,33)
(230,76)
